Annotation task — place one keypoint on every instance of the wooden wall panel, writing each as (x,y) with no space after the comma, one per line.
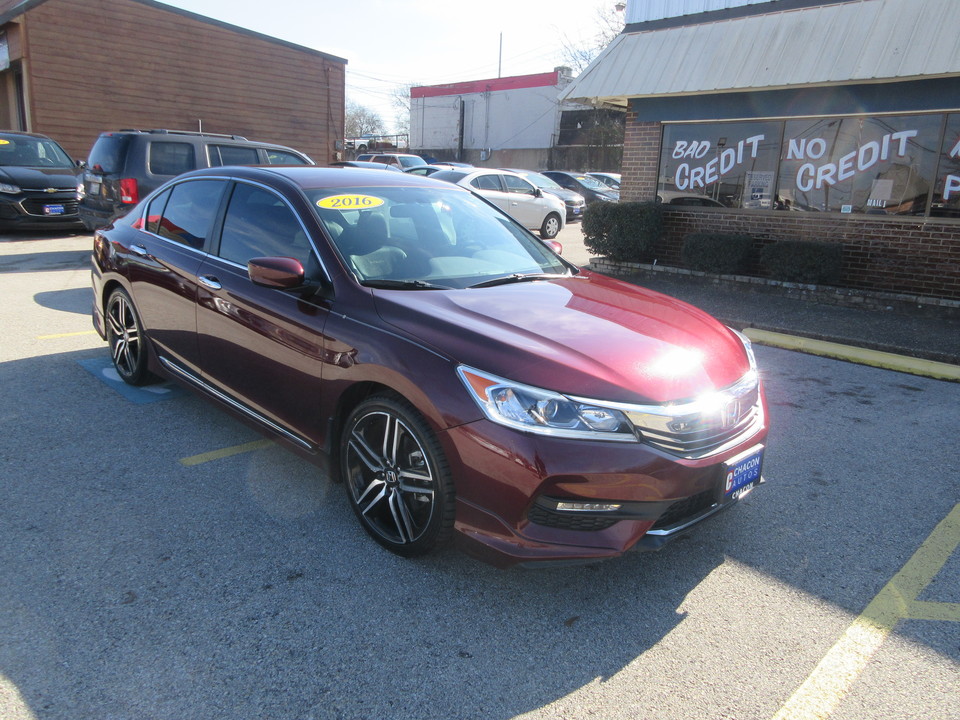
(107,64)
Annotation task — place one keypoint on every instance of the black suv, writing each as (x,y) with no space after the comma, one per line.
(127,165)
(38,183)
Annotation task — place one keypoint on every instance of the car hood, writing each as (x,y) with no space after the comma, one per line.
(39,178)
(588,335)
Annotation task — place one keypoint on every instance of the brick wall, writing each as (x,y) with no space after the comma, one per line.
(641,158)
(909,255)
(914,256)
(102,65)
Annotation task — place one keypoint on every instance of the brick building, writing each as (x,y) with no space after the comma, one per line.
(74,68)
(834,120)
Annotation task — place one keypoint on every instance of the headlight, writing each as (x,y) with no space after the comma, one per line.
(748,347)
(544,412)
(7,188)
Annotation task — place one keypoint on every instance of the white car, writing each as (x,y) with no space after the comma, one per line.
(520,199)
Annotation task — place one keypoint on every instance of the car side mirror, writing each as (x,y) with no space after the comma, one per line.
(82,164)
(555,246)
(537,192)
(279,273)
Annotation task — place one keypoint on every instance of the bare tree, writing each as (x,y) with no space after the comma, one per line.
(360,120)
(401,107)
(609,25)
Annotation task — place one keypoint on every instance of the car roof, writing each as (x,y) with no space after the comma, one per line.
(310,177)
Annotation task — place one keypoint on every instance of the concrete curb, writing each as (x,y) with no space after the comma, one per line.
(864,356)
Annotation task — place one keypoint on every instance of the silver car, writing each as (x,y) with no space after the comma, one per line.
(520,199)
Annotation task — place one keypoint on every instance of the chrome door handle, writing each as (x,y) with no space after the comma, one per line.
(210,282)
(138,250)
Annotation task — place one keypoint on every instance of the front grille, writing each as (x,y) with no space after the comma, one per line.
(34,206)
(568,521)
(705,426)
(686,508)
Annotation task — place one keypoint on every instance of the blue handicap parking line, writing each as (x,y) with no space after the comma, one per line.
(102,368)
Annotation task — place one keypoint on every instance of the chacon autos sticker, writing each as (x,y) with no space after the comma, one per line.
(350,202)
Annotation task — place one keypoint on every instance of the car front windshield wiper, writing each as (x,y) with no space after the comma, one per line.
(386,284)
(518,278)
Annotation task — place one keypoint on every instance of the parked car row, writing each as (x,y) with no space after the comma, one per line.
(42,187)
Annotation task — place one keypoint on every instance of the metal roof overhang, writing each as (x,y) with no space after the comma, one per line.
(869,41)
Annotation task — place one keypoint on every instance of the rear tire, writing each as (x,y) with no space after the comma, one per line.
(128,343)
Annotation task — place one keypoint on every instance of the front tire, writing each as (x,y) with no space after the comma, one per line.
(397,478)
(127,340)
(551,227)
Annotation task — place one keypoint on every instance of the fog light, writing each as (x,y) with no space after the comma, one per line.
(587,506)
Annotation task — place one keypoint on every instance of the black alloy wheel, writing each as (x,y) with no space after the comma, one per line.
(127,341)
(397,477)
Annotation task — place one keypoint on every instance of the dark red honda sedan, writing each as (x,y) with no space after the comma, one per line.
(463,380)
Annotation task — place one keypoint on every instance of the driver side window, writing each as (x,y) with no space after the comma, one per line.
(259,223)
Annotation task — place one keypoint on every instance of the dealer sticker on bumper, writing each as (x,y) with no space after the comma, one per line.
(53,210)
(742,472)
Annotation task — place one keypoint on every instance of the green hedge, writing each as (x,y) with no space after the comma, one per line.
(723,253)
(622,231)
(818,263)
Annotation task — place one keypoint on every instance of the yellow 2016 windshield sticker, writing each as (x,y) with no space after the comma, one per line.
(350,202)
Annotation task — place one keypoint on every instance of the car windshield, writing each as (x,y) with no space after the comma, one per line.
(541,181)
(592,183)
(23,151)
(420,238)
(609,181)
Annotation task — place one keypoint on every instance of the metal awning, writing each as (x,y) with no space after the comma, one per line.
(852,42)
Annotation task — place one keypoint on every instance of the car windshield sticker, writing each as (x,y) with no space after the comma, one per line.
(350,202)
(4,142)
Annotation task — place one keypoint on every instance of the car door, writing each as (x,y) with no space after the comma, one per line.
(526,204)
(262,348)
(169,248)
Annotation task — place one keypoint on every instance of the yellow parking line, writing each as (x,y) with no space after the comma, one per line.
(875,358)
(830,681)
(225,452)
(66,335)
(948,612)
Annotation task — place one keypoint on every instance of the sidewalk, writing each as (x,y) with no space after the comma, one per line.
(926,333)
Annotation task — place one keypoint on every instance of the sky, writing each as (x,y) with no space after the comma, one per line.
(390,43)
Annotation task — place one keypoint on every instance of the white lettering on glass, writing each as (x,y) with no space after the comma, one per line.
(688,177)
(952,186)
(810,176)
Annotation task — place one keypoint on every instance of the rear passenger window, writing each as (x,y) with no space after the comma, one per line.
(190,211)
(171,158)
(155,212)
(282,157)
(487,182)
(260,224)
(232,155)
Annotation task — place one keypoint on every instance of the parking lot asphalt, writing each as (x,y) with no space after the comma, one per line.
(924,341)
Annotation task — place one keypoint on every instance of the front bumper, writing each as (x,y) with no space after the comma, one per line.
(509,484)
(40,211)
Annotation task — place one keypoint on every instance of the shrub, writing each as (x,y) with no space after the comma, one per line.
(716,252)
(622,231)
(818,263)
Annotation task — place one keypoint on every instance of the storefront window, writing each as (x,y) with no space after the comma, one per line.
(728,164)
(881,165)
(946,194)
(886,165)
